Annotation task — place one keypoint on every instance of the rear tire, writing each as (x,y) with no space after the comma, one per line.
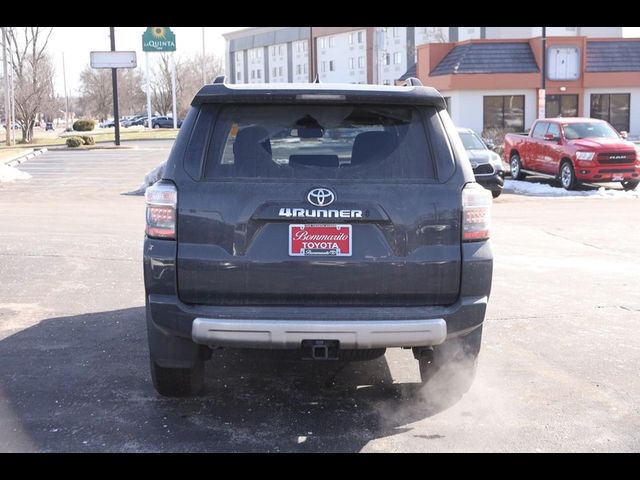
(568,178)
(516,167)
(628,185)
(178,382)
(157,125)
(451,368)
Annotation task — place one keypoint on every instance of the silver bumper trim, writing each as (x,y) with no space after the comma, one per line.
(283,334)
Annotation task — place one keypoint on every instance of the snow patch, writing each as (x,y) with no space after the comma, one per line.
(11,174)
(543,190)
(149,179)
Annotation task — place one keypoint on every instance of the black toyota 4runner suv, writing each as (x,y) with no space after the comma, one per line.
(331,220)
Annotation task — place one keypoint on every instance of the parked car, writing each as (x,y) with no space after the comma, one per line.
(255,241)
(48,126)
(574,150)
(107,124)
(136,120)
(487,165)
(162,122)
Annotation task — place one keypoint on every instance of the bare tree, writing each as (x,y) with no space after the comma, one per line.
(191,78)
(131,94)
(33,71)
(96,96)
(161,100)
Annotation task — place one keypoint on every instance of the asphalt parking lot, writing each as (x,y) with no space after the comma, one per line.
(558,370)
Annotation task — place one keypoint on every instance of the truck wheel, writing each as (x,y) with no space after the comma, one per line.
(178,382)
(568,176)
(629,184)
(516,167)
(452,365)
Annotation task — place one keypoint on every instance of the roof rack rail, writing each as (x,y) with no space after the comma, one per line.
(413,82)
(219,79)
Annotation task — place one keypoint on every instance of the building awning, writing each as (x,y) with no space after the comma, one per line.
(494,57)
(616,56)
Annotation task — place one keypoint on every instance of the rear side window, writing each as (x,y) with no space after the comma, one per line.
(320,141)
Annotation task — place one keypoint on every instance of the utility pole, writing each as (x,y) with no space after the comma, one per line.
(204,76)
(114,82)
(311,56)
(7,106)
(66,97)
(542,98)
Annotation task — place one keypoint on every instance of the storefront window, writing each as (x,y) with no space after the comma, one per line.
(504,112)
(612,107)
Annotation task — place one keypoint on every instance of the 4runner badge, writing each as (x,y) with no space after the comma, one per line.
(318,213)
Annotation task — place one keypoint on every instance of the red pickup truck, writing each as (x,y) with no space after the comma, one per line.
(574,150)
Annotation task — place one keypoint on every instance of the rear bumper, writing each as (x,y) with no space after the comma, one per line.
(290,334)
(286,327)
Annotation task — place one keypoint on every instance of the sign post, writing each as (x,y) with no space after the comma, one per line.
(113,60)
(160,39)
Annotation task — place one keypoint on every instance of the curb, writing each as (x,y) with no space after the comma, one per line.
(17,161)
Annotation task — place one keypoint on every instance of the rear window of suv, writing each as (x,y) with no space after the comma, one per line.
(378,142)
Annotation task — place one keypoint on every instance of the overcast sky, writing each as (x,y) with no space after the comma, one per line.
(77,42)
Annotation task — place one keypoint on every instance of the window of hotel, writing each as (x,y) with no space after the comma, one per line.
(253,74)
(505,112)
(331,66)
(280,71)
(330,42)
(359,37)
(612,107)
(387,59)
(352,63)
(238,76)
(275,71)
(304,46)
(259,73)
(360,62)
(561,106)
(397,58)
(351,39)
(324,66)
(298,68)
(279,49)
(304,66)
(323,43)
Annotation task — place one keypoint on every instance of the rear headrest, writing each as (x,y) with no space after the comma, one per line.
(372,145)
(251,143)
(315,160)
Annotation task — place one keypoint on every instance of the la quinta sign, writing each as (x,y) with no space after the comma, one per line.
(158,39)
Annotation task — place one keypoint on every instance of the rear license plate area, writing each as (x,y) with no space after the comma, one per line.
(320,240)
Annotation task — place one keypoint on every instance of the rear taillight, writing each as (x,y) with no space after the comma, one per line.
(476,212)
(162,202)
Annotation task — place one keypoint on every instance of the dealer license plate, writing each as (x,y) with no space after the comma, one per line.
(320,240)
(617,178)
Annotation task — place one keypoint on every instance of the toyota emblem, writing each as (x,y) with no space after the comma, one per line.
(321,197)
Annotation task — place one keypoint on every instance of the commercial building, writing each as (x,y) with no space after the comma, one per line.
(379,55)
(497,83)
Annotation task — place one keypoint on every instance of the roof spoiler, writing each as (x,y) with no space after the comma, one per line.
(412,82)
